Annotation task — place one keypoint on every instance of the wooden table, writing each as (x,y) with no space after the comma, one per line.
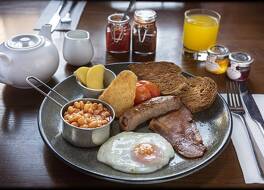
(26,161)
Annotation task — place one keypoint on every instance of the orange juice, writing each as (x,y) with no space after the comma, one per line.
(200,32)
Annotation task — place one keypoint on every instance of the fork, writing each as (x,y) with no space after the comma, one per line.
(236,107)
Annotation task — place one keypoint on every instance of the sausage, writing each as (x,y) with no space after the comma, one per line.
(147,110)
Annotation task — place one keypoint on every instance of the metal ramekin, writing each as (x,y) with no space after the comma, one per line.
(86,137)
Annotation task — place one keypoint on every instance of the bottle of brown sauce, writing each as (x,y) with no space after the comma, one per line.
(144,32)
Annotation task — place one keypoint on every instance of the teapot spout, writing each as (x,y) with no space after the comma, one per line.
(5,61)
(46,31)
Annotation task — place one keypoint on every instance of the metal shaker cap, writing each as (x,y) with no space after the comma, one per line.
(241,58)
(218,50)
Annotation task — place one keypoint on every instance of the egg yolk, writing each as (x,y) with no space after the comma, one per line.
(144,149)
(146,152)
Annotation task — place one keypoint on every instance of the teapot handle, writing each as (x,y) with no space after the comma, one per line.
(5,57)
(6,60)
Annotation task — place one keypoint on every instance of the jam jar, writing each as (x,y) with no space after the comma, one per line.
(118,34)
(239,66)
(217,59)
(144,32)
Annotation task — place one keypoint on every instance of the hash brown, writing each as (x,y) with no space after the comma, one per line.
(120,94)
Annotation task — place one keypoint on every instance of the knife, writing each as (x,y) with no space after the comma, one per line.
(54,21)
(252,106)
(67,18)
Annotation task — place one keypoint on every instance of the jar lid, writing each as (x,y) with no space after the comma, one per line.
(24,42)
(241,58)
(145,15)
(218,50)
(116,18)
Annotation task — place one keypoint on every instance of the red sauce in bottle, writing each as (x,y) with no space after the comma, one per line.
(144,36)
(118,34)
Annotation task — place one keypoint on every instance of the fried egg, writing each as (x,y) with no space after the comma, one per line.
(133,152)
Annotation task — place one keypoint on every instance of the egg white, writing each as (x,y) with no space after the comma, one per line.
(116,152)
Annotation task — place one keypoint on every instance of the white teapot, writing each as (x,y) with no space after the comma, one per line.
(28,55)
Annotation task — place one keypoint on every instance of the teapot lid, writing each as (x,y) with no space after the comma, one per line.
(24,42)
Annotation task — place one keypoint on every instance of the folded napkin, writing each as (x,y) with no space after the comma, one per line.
(242,143)
(52,7)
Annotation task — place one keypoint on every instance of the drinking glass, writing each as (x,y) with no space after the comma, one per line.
(200,31)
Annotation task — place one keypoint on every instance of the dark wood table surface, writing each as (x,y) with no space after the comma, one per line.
(25,160)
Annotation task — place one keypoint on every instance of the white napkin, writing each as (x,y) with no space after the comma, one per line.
(242,143)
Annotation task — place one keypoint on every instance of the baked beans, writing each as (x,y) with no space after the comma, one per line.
(87,114)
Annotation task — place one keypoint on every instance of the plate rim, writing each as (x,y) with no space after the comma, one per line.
(219,150)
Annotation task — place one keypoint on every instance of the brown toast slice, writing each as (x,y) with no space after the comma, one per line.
(151,68)
(200,93)
(171,84)
(166,75)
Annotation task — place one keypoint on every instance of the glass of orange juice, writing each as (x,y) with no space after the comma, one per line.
(200,31)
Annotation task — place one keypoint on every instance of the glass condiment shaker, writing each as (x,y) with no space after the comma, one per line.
(239,66)
(217,59)
(118,34)
(144,33)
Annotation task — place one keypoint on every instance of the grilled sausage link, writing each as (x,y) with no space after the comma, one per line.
(149,109)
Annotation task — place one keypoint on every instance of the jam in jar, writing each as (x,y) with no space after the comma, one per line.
(118,34)
(239,67)
(217,59)
(144,32)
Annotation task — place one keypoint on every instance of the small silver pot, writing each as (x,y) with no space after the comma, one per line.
(86,137)
(81,137)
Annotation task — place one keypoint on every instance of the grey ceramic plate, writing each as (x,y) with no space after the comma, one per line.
(214,124)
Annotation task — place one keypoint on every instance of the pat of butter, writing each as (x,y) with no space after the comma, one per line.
(95,77)
(99,136)
(81,74)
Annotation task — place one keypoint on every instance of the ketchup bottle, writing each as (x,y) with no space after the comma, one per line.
(118,33)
